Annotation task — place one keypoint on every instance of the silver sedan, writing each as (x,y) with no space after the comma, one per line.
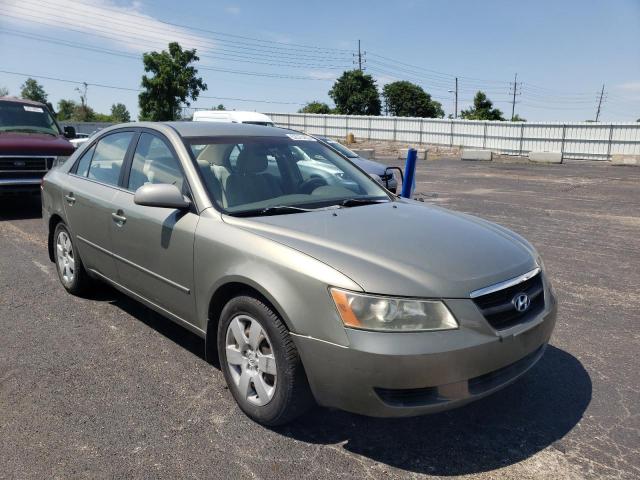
(297,290)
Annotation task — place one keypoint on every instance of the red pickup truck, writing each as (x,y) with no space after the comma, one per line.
(31,143)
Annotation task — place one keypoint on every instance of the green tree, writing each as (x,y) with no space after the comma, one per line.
(119,113)
(518,118)
(101,117)
(482,109)
(220,107)
(66,109)
(32,90)
(406,99)
(316,107)
(83,113)
(173,82)
(355,93)
(4,91)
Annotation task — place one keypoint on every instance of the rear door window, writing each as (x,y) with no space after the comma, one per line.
(82,167)
(108,158)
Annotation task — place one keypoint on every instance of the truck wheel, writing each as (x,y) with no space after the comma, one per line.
(261,363)
(69,266)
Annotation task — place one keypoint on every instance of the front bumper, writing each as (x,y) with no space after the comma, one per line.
(20,185)
(405,374)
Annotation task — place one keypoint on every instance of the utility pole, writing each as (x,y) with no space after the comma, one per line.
(455,110)
(455,99)
(515,89)
(600,103)
(359,57)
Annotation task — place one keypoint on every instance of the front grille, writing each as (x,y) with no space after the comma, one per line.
(25,164)
(498,307)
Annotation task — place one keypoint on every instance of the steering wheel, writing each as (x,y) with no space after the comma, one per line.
(308,186)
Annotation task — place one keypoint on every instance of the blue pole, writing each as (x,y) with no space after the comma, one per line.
(409,173)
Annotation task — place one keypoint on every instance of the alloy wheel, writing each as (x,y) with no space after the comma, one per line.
(251,361)
(66,261)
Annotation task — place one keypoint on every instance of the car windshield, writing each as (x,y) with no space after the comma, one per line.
(264,124)
(342,149)
(20,117)
(270,175)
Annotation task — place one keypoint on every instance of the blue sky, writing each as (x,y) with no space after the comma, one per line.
(290,51)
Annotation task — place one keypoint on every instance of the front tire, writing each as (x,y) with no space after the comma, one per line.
(261,363)
(69,266)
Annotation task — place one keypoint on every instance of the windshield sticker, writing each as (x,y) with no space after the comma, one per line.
(33,109)
(300,136)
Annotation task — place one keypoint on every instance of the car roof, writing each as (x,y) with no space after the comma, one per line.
(225,129)
(240,116)
(22,100)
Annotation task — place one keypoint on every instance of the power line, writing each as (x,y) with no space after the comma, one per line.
(213,32)
(115,87)
(196,41)
(220,56)
(120,53)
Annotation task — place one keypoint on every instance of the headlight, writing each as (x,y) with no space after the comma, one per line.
(373,312)
(59,161)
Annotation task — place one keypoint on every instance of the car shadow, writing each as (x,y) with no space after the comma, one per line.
(505,428)
(180,335)
(20,207)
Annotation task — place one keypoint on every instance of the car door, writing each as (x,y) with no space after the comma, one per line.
(89,197)
(154,246)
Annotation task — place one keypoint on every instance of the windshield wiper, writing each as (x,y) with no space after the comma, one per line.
(356,202)
(277,210)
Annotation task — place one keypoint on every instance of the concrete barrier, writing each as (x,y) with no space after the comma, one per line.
(402,154)
(486,155)
(626,160)
(368,153)
(545,157)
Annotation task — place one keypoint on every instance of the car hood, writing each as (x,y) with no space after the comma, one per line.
(402,248)
(370,166)
(18,143)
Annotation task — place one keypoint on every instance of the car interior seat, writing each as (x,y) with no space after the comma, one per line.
(249,182)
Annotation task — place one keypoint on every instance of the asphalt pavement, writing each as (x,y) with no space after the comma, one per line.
(102,387)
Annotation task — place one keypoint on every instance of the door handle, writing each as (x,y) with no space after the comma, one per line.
(70,198)
(119,217)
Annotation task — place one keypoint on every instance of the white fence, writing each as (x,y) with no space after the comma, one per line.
(580,140)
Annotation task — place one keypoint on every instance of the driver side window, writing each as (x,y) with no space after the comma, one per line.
(153,162)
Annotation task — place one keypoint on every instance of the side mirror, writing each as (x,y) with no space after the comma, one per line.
(376,178)
(161,195)
(69,132)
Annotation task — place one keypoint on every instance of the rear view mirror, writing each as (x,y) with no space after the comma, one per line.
(161,195)
(69,132)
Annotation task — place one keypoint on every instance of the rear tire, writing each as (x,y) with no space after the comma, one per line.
(260,362)
(69,266)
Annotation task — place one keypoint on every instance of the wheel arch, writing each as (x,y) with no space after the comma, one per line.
(54,220)
(225,292)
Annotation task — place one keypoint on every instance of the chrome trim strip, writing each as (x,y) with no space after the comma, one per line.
(506,284)
(20,181)
(27,156)
(115,187)
(135,265)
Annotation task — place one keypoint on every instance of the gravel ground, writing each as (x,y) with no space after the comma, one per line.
(102,387)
